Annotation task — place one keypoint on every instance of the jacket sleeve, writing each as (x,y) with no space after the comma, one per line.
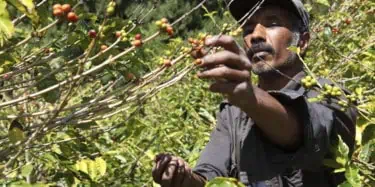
(215,158)
(321,123)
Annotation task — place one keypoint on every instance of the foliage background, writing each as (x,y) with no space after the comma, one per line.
(178,119)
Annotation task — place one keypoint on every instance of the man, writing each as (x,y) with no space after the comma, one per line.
(266,134)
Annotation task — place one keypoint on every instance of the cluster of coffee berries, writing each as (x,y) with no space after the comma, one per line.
(343,104)
(164,25)
(333,91)
(308,82)
(122,35)
(111,8)
(137,42)
(65,9)
(236,32)
(335,30)
(352,97)
(185,51)
(324,72)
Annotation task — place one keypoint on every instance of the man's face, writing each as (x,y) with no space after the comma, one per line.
(267,35)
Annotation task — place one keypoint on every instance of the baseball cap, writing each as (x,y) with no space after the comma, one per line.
(239,8)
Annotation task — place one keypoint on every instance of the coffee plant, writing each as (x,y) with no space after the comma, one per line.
(91,91)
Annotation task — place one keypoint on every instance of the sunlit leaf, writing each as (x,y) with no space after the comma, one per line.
(101,166)
(323,2)
(6,25)
(352,175)
(27,7)
(26,169)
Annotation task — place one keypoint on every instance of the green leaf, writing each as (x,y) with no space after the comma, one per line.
(224,182)
(6,25)
(101,165)
(94,169)
(53,95)
(352,175)
(323,2)
(26,169)
(27,7)
(367,151)
(345,184)
(15,132)
(295,49)
(368,134)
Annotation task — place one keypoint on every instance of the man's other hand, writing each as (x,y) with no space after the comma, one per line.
(172,171)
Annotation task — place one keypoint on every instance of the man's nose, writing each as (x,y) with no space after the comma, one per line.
(259,34)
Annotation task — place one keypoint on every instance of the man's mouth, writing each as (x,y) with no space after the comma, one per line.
(260,52)
(259,56)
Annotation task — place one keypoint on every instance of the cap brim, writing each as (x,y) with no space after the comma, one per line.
(239,8)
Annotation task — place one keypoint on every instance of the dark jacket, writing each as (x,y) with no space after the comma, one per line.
(260,160)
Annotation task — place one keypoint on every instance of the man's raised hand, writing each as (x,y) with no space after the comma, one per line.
(231,68)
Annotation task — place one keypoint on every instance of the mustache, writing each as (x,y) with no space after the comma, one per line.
(258,48)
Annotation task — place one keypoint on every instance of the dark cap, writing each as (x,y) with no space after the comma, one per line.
(239,8)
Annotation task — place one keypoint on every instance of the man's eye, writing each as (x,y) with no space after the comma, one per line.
(248,30)
(274,23)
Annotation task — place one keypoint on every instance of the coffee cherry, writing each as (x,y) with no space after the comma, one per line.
(308,82)
(138,37)
(164,25)
(66,8)
(335,30)
(110,10)
(118,34)
(130,76)
(158,23)
(137,43)
(167,63)
(348,21)
(72,17)
(164,20)
(169,30)
(58,12)
(198,61)
(6,76)
(56,6)
(92,33)
(328,87)
(103,47)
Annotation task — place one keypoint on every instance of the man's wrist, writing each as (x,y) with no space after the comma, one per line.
(250,101)
(197,180)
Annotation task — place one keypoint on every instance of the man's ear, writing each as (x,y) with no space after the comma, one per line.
(304,42)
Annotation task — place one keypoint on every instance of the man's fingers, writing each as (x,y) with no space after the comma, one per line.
(179,174)
(224,72)
(188,177)
(160,167)
(199,54)
(169,173)
(227,58)
(159,156)
(225,41)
